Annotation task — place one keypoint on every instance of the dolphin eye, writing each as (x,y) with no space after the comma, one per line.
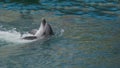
(44,33)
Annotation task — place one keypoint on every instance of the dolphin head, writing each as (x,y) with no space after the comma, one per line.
(47,29)
(44,30)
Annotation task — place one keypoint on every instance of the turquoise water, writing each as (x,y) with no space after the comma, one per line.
(87,34)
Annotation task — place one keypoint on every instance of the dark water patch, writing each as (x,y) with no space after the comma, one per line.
(99,8)
(21,1)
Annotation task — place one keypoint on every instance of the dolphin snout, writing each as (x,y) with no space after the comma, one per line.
(43,21)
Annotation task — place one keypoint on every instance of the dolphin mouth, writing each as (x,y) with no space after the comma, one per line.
(30,37)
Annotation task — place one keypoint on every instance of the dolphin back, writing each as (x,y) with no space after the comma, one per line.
(33,31)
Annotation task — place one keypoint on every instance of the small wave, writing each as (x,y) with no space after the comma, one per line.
(61,32)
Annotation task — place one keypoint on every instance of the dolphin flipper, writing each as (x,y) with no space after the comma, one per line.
(33,31)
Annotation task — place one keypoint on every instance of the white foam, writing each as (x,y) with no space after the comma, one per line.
(61,32)
(13,37)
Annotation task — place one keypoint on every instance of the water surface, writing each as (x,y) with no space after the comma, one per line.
(87,34)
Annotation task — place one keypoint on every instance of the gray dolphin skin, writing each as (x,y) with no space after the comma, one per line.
(44,31)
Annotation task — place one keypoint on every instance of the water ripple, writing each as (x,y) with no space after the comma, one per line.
(98,8)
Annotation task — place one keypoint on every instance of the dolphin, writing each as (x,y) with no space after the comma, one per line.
(45,30)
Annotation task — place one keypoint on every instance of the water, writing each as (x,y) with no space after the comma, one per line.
(87,34)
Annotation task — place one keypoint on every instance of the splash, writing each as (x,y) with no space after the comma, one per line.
(61,32)
(13,36)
